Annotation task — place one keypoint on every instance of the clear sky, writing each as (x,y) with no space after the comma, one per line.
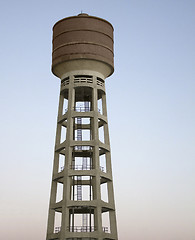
(151,113)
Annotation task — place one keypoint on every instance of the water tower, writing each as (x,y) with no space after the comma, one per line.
(82,199)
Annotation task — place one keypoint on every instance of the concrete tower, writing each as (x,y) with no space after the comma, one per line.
(82,199)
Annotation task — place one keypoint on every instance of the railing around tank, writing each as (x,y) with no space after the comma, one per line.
(82,79)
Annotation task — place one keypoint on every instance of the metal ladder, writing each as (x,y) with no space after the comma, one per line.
(79,131)
(79,178)
(86,106)
(79,188)
(84,165)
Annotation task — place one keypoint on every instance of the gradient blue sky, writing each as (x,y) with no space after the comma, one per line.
(150,109)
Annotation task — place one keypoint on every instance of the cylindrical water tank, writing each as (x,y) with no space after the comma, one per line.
(82,42)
